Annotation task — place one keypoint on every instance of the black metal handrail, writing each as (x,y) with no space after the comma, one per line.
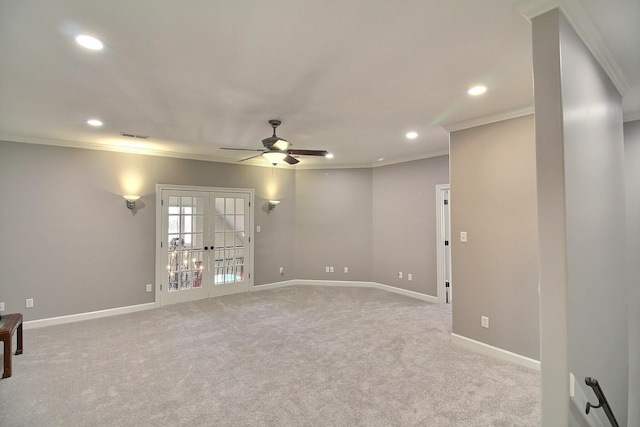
(602,400)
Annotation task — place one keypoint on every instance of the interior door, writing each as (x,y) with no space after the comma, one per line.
(447,249)
(228,257)
(205,244)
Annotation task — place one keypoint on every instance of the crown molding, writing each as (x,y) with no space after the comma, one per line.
(631,117)
(579,18)
(492,118)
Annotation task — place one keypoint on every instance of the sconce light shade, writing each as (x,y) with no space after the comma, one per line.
(273,204)
(131,200)
(274,157)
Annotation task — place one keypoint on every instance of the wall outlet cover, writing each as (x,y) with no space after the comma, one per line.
(484,321)
(1,306)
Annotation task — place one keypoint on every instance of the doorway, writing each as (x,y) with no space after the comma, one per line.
(443,237)
(204,242)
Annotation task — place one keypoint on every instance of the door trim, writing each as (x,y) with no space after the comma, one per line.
(160,270)
(440,237)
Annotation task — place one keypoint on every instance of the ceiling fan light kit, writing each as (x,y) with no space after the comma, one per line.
(276,150)
(274,157)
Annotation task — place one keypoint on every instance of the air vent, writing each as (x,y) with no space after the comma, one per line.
(133,135)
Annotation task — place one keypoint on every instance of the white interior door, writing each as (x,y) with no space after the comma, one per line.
(205,243)
(228,257)
(443,226)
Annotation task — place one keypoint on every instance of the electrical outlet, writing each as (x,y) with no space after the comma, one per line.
(400,275)
(149,287)
(409,277)
(29,303)
(346,269)
(326,269)
(1,306)
(257,228)
(484,322)
(281,270)
(463,236)
(330,269)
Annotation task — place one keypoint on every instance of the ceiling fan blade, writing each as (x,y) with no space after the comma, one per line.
(297,152)
(249,158)
(241,149)
(290,160)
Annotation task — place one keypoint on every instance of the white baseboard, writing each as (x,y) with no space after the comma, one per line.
(31,324)
(353,284)
(133,308)
(273,285)
(496,352)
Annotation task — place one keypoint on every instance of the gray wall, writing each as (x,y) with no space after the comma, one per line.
(404,223)
(580,166)
(632,167)
(493,199)
(73,246)
(333,224)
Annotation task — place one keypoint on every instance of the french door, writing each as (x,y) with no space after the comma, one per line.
(205,247)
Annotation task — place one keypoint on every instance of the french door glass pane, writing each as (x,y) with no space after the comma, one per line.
(229,240)
(185,242)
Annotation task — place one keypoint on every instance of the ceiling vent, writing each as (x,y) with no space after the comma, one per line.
(133,135)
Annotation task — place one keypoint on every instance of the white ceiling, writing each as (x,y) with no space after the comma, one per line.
(348,76)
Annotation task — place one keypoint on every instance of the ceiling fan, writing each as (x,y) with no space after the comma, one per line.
(276,149)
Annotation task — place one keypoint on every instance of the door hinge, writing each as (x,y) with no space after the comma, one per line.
(160,286)
(249,204)
(446,284)
(161,202)
(446,243)
(446,202)
(160,244)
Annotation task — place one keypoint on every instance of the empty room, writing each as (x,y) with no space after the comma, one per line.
(320,213)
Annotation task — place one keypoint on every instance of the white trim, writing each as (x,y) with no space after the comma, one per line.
(60,320)
(160,270)
(496,352)
(273,285)
(352,284)
(579,18)
(97,146)
(492,118)
(440,249)
(140,307)
(631,117)
(579,400)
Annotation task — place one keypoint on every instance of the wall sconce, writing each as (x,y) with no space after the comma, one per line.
(273,204)
(131,201)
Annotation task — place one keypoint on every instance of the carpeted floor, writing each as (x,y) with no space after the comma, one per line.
(294,356)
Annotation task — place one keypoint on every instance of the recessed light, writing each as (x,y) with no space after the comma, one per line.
(94,122)
(412,135)
(477,90)
(89,42)
(329,156)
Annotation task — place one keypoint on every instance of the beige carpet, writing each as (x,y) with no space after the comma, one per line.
(295,356)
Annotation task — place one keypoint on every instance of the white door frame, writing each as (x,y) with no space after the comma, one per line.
(160,275)
(440,238)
